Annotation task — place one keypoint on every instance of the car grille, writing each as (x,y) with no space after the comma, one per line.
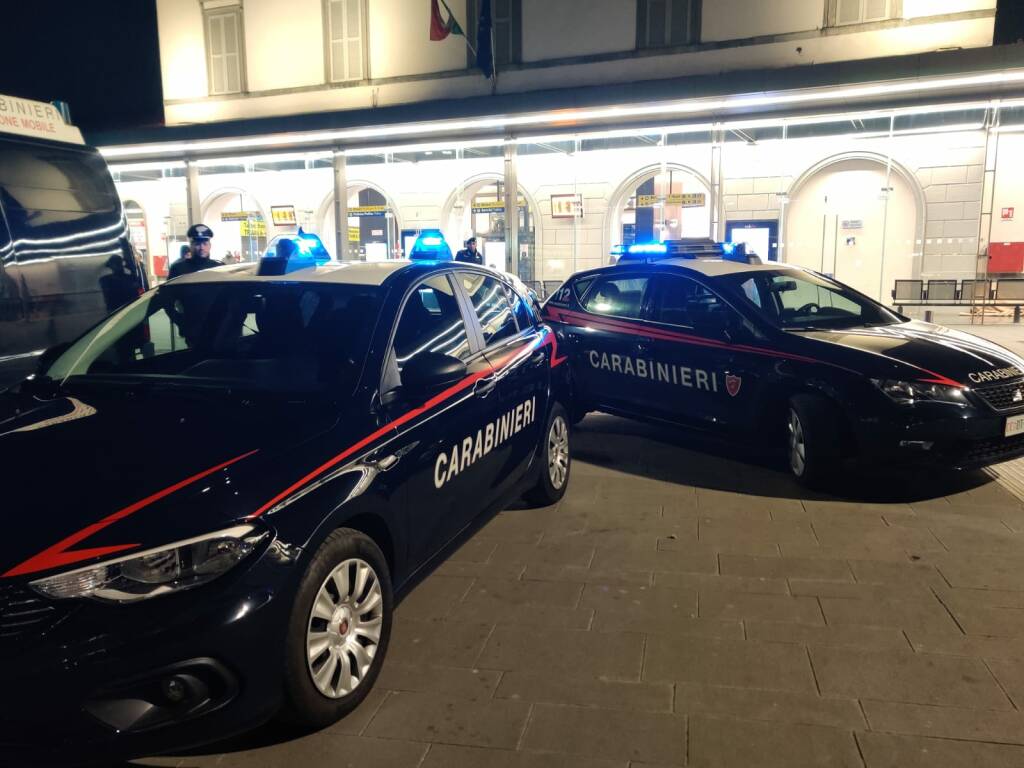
(992,451)
(25,615)
(1001,396)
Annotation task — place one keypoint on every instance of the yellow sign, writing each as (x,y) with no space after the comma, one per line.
(353,234)
(368,210)
(493,206)
(282,215)
(686,200)
(254,228)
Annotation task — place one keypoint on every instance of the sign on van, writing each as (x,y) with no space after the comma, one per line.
(36,119)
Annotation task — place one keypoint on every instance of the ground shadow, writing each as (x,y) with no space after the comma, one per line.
(670,454)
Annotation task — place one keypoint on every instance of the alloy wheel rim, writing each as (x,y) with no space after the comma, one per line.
(343,631)
(797,445)
(558,452)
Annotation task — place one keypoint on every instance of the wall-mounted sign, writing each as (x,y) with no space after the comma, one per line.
(567,206)
(368,210)
(686,200)
(1007,214)
(852,224)
(353,234)
(493,206)
(240,215)
(252,228)
(376,233)
(282,215)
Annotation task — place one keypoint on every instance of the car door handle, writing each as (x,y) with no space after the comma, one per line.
(484,386)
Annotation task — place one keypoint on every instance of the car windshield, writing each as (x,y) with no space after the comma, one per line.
(796,300)
(284,337)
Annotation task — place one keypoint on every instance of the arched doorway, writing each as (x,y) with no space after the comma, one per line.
(858,218)
(239,226)
(477,209)
(658,203)
(373,225)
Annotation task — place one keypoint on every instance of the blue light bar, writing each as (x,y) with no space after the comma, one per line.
(430,246)
(728,248)
(655,248)
(431,241)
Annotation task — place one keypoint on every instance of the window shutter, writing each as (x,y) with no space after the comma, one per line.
(875,10)
(849,11)
(346,27)
(224,58)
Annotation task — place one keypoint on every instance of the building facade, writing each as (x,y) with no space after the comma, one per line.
(874,140)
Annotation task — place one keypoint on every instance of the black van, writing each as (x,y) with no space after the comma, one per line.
(65,257)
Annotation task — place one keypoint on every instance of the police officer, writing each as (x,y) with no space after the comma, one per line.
(470,253)
(199,236)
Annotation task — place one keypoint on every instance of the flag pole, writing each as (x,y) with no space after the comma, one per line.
(464,35)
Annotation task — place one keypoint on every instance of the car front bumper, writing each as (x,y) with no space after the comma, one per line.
(94,682)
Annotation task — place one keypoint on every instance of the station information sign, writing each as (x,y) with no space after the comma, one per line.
(282,215)
(686,200)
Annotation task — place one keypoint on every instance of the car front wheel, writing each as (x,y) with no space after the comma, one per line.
(555,460)
(812,440)
(339,630)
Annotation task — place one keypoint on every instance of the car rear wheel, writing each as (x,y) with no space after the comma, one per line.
(555,460)
(812,440)
(339,630)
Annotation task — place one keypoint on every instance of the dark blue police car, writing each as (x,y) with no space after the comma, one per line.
(698,333)
(215,493)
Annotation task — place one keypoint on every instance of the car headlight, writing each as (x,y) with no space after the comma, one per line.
(161,571)
(910,392)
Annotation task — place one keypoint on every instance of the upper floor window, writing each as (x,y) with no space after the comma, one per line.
(859,11)
(224,48)
(507,30)
(345,27)
(661,23)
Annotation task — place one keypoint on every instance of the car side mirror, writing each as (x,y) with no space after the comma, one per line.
(428,373)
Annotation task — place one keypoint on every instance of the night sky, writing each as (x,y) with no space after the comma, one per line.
(102,57)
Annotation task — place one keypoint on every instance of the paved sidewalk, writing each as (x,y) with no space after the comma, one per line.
(683,608)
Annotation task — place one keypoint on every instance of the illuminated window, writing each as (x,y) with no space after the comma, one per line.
(345,25)
(842,12)
(661,23)
(224,50)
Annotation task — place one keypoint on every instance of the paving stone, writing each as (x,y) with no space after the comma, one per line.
(562,553)
(742,605)
(611,655)
(652,737)
(1010,674)
(642,609)
(722,742)
(434,597)
(945,722)
(695,559)
(355,722)
(849,550)
(785,567)
(463,683)
(996,598)
(607,694)
(580,575)
(897,591)
(449,756)
(720,583)
(906,676)
(849,635)
(907,614)
(882,572)
(442,643)
(961,645)
(475,570)
(779,706)
(882,750)
(881,536)
(714,501)
(336,751)
(988,620)
(983,572)
(473,551)
(524,615)
(962,540)
(432,717)
(736,663)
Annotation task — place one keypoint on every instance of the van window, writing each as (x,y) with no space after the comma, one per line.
(52,192)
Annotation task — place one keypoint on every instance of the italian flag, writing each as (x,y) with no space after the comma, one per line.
(439,27)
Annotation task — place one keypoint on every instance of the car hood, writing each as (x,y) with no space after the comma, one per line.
(931,352)
(90,476)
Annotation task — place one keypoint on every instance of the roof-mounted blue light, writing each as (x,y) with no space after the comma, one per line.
(430,246)
(648,248)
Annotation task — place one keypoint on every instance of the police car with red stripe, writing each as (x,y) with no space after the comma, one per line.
(700,334)
(215,494)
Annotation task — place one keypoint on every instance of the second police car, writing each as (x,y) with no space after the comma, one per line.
(252,462)
(700,334)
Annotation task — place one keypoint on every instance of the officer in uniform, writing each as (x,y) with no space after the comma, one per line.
(470,253)
(199,236)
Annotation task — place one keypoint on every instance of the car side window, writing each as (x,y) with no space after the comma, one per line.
(491,302)
(523,311)
(680,301)
(619,296)
(431,321)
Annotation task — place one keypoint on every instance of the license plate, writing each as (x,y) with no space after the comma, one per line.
(1014,426)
